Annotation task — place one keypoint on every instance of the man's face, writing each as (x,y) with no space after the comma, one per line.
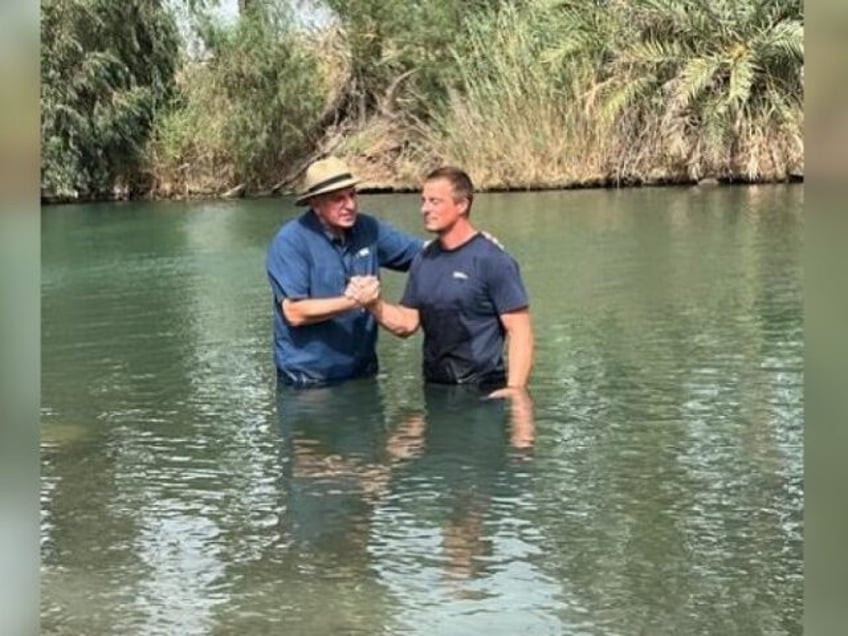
(336,210)
(438,207)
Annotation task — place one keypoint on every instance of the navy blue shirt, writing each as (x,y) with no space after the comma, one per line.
(305,262)
(459,295)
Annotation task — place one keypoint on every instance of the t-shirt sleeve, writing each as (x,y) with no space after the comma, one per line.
(505,285)
(288,270)
(396,249)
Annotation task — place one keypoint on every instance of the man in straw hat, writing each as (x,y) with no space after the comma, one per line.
(322,335)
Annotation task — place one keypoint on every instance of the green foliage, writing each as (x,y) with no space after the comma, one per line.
(249,107)
(390,39)
(523,92)
(106,70)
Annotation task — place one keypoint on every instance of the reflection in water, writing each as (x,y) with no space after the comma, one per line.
(467,444)
(454,540)
(338,461)
(337,465)
(434,501)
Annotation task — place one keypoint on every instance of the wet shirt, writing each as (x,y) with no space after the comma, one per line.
(305,262)
(460,295)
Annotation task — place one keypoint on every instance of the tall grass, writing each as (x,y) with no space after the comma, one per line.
(518,118)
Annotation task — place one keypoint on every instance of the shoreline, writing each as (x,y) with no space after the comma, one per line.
(241,192)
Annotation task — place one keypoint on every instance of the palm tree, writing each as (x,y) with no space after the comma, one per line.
(719,83)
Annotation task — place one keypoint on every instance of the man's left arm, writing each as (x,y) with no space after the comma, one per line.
(520,346)
(395,249)
(512,304)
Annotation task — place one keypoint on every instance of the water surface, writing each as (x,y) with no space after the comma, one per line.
(654,486)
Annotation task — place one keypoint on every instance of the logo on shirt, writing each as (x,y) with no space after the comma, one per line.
(460,275)
(363,252)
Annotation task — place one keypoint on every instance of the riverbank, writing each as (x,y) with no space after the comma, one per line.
(372,185)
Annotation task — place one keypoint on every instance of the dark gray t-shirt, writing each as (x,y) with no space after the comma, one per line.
(459,295)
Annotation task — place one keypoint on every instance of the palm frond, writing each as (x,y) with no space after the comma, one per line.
(784,39)
(696,77)
(622,94)
(743,73)
(652,53)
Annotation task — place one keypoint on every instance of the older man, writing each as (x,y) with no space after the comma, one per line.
(321,335)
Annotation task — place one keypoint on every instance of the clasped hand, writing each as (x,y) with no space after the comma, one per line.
(364,290)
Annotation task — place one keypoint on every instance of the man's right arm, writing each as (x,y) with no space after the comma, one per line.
(308,311)
(401,321)
(289,272)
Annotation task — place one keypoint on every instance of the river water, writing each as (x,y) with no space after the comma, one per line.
(653,485)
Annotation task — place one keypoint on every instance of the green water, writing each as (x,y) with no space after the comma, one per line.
(653,487)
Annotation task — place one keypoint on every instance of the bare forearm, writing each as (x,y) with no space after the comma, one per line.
(401,321)
(520,355)
(311,310)
(520,361)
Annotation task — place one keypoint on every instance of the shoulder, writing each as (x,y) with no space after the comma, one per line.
(293,227)
(291,235)
(491,251)
(494,259)
(431,249)
(419,259)
(433,253)
(367,222)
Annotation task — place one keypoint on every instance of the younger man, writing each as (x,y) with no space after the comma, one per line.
(465,292)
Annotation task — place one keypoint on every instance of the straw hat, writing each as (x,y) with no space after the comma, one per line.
(325,175)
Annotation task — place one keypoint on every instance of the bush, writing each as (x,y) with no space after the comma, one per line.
(248,108)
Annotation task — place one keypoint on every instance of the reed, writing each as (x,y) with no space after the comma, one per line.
(516,119)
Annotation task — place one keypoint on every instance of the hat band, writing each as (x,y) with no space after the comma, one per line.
(328,182)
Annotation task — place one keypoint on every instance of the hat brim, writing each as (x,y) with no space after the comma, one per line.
(304,197)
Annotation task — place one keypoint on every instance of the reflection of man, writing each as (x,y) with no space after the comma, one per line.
(339,457)
(464,543)
(464,292)
(473,456)
(321,335)
(338,460)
